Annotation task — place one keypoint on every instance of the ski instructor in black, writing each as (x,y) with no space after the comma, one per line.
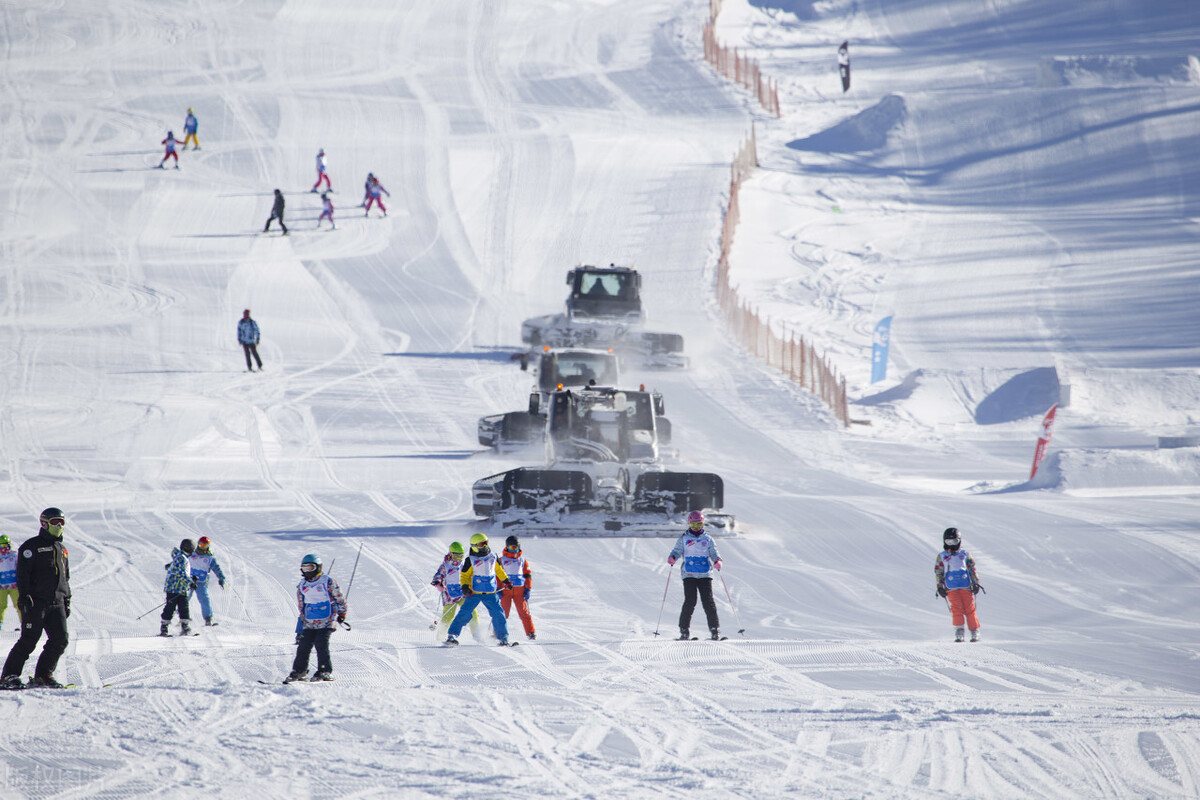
(44,597)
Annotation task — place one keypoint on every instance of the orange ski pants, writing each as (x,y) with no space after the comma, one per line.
(516,596)
(962,605)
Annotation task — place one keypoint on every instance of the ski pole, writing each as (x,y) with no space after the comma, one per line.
(437,610)
(156,608)
(664,600)
(350,585)
(737,618)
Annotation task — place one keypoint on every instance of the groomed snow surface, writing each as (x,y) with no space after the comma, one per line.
(1017,183)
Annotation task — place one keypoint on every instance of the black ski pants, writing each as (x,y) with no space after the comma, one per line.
(310,637)
(252,349)
(703,587)
(52,619)
(176,601)
(271,219)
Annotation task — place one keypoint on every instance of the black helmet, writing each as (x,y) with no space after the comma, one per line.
(49,514)
(187,546)
(951,539)
(512,541)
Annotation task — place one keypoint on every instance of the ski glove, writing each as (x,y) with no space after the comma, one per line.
(341,618)
(941,590)
(67,607)
(527,588)
(975,589)
(671,560)
(717,564)
(507,584)
(221,581)
(193,583)
(467,591)
(436,583)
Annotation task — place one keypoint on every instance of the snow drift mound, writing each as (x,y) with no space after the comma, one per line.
(1092,71)
(867,130)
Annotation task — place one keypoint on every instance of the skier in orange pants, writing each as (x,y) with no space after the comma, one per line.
(958,583)
(517,568)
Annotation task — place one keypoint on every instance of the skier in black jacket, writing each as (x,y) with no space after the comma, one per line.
(276,213)
(44,597)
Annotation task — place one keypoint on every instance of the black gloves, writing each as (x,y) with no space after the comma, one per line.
(975,589)
(67,607)
(941,590)
(341,617)
(467,591)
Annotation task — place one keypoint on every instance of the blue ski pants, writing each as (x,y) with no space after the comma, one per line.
(491,602)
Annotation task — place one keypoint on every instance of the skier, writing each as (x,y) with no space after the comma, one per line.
(190,126)
(170,143)
(516,566)
(448,579)
(178,585)
(482,577)
(44,601)
(326,211)
(958,583)
(367,189)
(322,173)
(700,557)
(202,562)
(374,189)
(248,335)
(322,607)
(277,213)
(8,578)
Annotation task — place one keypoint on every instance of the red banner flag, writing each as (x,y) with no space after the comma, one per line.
(1043,440)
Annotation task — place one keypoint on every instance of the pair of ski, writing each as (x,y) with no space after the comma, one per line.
(31,685)
(455,643)
(290,681)
(697,638)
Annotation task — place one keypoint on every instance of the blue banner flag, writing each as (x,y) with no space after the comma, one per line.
(879,353)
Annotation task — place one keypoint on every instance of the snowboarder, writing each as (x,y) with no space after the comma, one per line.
(516,566)
(169,143)
(247,333)
(44,601)
(700,558)
(958,584)
(201,563)
(276,213)
(322,172)
(844,65)
(374,190)
(482,577)
(326,211)
(448,579)
(178,585)
(8,578)
(190,126)
(322,607)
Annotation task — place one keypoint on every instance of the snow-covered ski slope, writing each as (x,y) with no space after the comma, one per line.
(1018,183)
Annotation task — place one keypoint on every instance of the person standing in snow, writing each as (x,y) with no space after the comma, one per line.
(700,558)
(448,580)
(8,578)
(276,213)
(169,143)
(178,585)
(958,583)
(201,563)
(482,578)
(322,609)
(190,126)
(247,333)
(322,172)
(516,566)
(326,211)
(374,190)
(367,190)
(44,600)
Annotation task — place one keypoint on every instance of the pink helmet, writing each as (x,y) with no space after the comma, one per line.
(696,518)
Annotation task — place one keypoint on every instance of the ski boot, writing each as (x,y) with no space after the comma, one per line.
(296,677)
(451,641)
(11,682)
(959,634)
(684,634)
(532,636)
(47,681)
(502,643)
(162,629)
(975,635)
(187,628)
(208,623)
(322,675)
(715,634)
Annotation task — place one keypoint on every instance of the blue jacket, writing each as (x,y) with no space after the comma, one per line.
(190,125)
(178,581)
(247,331)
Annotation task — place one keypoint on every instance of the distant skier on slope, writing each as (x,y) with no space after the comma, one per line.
(516,566)
(169,143)
(277,213)
(190,126)
(374,190)
(322,607)
(482,577)
(700,558)
(8,578)
(958,583)
(201,563)
(322,173)
(248,336)
(178,586)
(326,211)
(448,580)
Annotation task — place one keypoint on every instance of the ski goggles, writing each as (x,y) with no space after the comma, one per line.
(696,526)
(56,521)
(512,550)
(308,568)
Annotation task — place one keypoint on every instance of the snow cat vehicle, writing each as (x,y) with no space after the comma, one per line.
(553,370)
(604,309)
(604,473)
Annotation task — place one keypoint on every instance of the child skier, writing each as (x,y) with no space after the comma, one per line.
(190,126)
(322,607)
(169,143)
(482,577)
(177,586)
(700,558)
(8,578)
(322,173)
(517,568)
(202,562)
(958,583)
(374,190)
(326,211)
(448,579)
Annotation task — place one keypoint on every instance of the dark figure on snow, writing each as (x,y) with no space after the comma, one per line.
(178,585)
(248,339)
(276,213)
(322,609)
(44,599)
(700,558)
(844,65)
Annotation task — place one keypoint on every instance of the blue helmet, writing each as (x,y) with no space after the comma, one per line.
(315,569)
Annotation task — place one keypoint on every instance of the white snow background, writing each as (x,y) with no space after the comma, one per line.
(1017,182)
